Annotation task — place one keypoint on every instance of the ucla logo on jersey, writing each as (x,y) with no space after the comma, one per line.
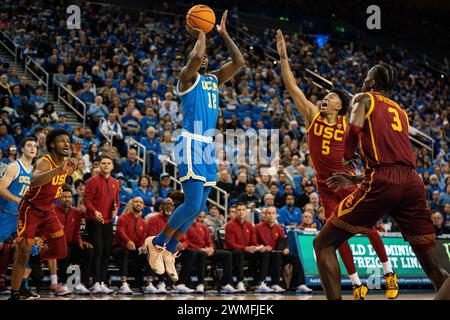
(209,85)
(24,179)
(59,180)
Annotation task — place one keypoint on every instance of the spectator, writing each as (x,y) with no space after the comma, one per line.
(240,239)
(436,203)
(153,150)
(438,222)
(49,112)
(37,100)
(5,139)
(5,86)
(321,217)
(102,203)
(307,222)
(167,144)
(11,154)
(249,197)
(77,249)
(128,244)
(241,183)
(170,107)
(290,215)
(80,172)
(129,121)
(214,219)
(269,233)
(231,213)
(111,130)
(263,185)
(445,197)
(199,239)
(125,194)
(96,112)
(145,191)
(131,168)
(315,201)
(225,183)
(62,123)
(148,120)
(274,192)
(91,156)
(87,95)
(164,188)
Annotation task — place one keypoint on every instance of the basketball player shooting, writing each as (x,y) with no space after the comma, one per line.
(199,94)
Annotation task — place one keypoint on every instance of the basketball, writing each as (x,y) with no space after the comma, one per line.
(201,17)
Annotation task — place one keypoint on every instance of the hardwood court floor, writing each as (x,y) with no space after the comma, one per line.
(347,295)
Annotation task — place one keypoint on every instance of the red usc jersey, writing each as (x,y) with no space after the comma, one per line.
(44,197)
(385,135)
(326,146)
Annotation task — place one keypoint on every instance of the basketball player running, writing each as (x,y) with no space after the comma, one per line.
(325,130)
(14,182)
(390,185)
(194,150)
(36,213)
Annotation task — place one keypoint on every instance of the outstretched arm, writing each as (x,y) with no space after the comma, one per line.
(304,106)
(358,109)
(229,69)
(189,72)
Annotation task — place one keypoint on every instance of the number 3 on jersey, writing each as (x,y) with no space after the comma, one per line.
(212,104)
(397,125)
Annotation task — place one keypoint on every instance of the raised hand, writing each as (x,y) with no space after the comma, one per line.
(281,45)
(222,27)
(193,31)
(77,147)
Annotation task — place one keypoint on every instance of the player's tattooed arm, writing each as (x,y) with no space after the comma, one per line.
(42,173)
(303,105)
(229,69)
(6,180)
(188,73)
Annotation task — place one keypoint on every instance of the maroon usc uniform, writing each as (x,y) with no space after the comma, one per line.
(326,146)
(391,185)
(37,216)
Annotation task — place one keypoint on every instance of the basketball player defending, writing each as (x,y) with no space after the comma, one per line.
(325,130)
(14,183)
(390,185)
(36,214)
(194,150)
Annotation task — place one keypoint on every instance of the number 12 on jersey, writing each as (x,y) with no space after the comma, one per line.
(212,101)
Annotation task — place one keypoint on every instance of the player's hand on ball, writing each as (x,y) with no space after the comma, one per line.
(281,45)
(351,164)
(193,31)
(222,27)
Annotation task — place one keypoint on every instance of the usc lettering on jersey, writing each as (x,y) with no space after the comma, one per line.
(326,146)
(385,135)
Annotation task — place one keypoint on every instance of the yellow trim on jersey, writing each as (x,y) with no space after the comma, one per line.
(344,122)
(372,137)
(372,105)
(21,231)
(313,120)
(407,119)
(210,183)
(191,173)
(189,89)
(49,159)
(344,212)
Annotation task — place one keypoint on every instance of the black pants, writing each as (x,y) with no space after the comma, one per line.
(101,236)
(279,260)
(259,264)
(219,256)
(131,263)
(188,259)
(76,255)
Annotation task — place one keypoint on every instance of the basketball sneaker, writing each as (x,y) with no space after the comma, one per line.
(125,289)
(303,289)
(150,289)
(200,289)
(228,289)
(28,294)
(391,285)
(359,292)
(181,288)
(240,287)
(162,288)
(96,288)
(263,288)
(154,256)
(59,290)
(105,288)
(277,289)
(169,264)
(81,290)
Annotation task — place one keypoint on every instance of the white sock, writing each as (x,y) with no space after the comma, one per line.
(355,279)
(54,279)
(387,268)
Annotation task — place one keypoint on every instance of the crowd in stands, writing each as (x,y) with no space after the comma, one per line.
(124,66)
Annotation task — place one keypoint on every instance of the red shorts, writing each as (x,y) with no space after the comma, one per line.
(330,198)
(34,223)
(397,191)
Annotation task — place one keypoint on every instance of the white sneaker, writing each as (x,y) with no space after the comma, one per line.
(125,289)
(150,289)
(240,287)
(200,288)
(162,288)
(97,288)
(277,289)
(106,289)
(154,256)
(263,288)
(303,288)
(60,290)
(228,289)
(169,264)
(181,288)
(81,289)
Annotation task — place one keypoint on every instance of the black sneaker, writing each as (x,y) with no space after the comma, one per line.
(28,294)
(15,295)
